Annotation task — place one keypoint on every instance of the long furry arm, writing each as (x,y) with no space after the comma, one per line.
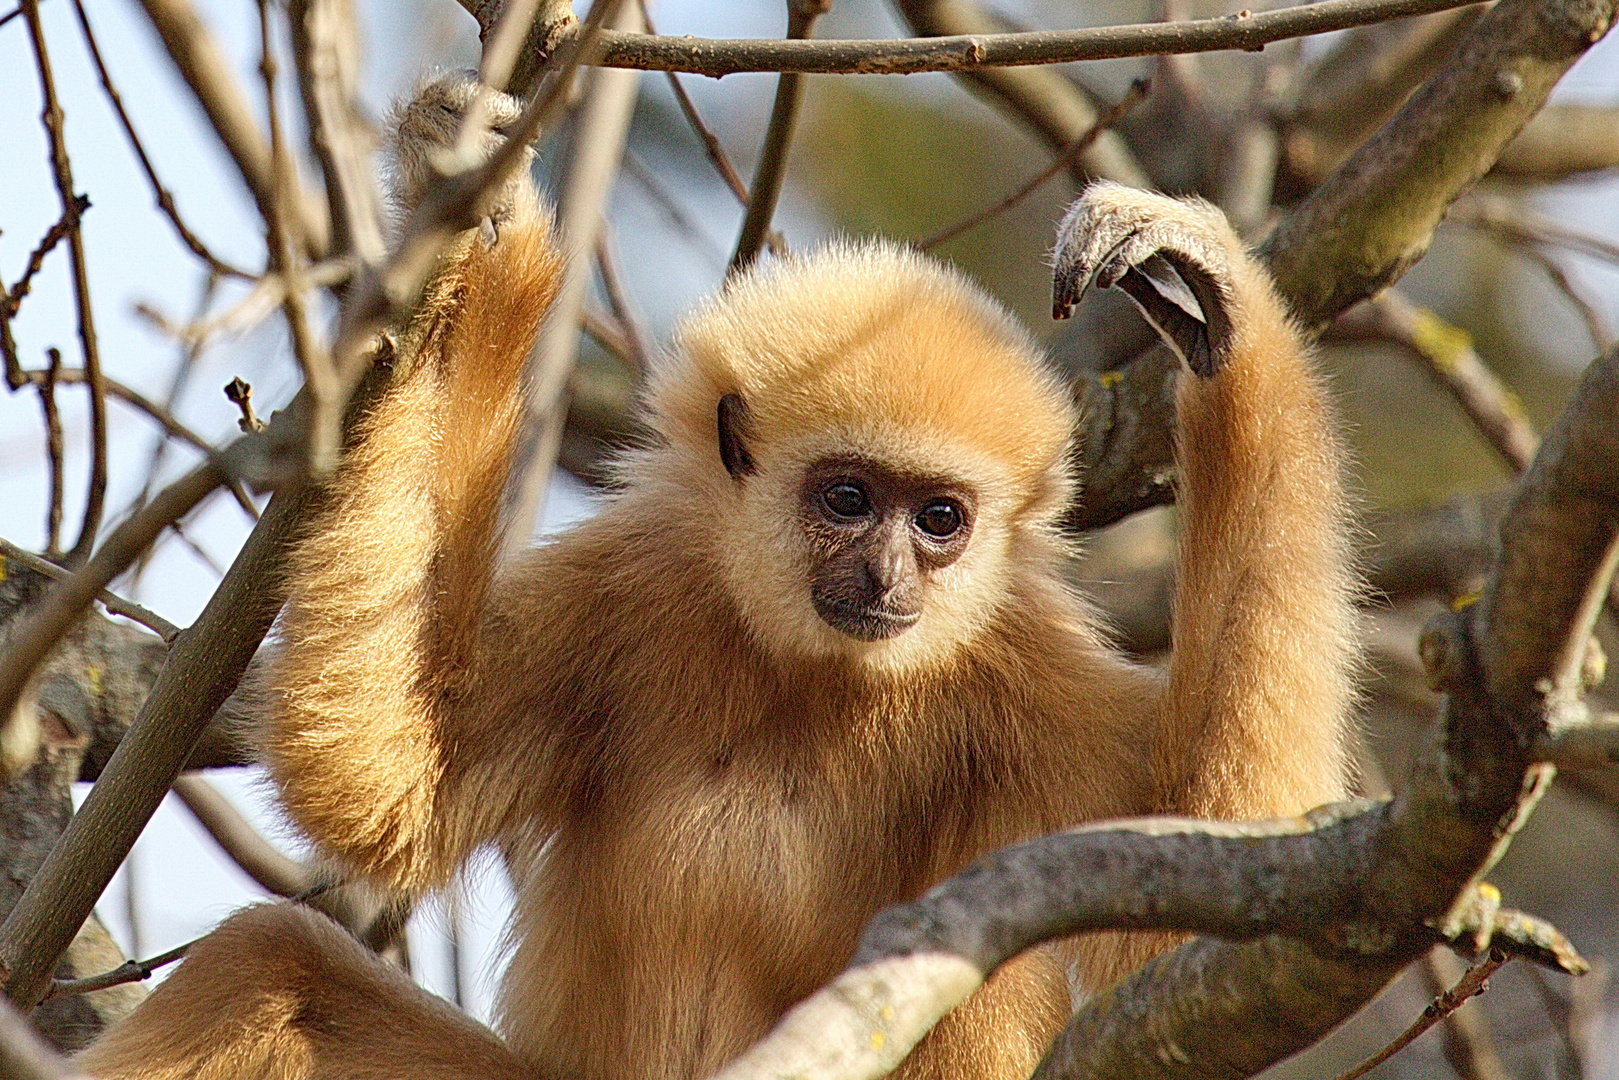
(379,729)
(1264,643)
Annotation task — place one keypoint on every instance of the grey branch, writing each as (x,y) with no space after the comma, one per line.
(1047,101)
(970,52)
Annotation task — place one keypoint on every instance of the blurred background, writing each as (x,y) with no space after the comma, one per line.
(894,156)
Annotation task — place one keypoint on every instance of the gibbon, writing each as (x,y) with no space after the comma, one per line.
(814,654)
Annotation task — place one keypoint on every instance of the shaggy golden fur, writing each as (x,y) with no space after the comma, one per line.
(703,791)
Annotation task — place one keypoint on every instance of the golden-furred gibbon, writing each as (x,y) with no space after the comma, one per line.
(814,654)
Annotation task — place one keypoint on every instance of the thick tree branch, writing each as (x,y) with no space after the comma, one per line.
(1366,225)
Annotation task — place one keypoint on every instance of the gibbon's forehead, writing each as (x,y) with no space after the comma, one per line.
(869,341)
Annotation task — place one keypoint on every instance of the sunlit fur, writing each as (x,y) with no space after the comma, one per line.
(873,351)
(702,793)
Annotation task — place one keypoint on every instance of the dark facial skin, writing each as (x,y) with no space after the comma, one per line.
(878,534)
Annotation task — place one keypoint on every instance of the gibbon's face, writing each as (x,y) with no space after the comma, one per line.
(877,449)
(876,536)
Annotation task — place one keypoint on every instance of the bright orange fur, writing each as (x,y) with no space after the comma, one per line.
(702,791)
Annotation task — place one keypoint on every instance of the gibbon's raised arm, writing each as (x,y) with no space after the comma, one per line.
(376,731)
(1264,641)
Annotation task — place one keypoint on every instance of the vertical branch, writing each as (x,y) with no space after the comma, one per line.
(287,259)
(636,351)
(772,170)
(598,147)
(326,46)
(53,449)
(62,170)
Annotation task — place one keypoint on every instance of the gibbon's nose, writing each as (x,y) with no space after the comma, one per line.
(889,569)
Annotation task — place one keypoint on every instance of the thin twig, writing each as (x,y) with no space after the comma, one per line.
(203,64)
(1138,91)
(36,258)
(598,149)
(768,178)
(1498,216)
(159,415)
(114,603)
(1595,326)
(287,253)
(1469,1046)
(1447,352)
(1249,32)
(1475,982)
(165,199)
(642,173)
(62,173)
(248,849)
(618,301)
(127,972)
(53,450)
(714,148)
(43,625)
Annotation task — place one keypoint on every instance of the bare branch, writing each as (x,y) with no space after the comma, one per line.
(1075,150)
(547,33)
(1561,141)
(165,200)
(38,631)
(203,666)
(604,123)
(1447,354)
(236,836)
(971,52)
(1469,1046)
(128,972)
(202,64)
(1366,225)
(326,48)
(62,173)
(1047,102)
(636,353)
(1347,94)
(113,603)
(53,450)
(1475,982)
(159,415)
(772,170)
(1595,326)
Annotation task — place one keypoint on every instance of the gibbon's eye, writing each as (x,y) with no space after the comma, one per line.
(940,520)
(846,500)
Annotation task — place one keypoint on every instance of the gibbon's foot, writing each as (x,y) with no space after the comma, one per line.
(1173,257)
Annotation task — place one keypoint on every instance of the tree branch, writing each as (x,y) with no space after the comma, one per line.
(1048,102)
(768,178)
(1366,225)
(971,52)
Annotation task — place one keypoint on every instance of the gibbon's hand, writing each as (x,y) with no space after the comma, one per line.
(1173,257)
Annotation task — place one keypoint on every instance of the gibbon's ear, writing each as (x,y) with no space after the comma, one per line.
(733,420)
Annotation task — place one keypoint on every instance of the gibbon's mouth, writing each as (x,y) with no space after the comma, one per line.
(864,622)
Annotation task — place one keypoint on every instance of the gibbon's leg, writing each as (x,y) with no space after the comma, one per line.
(1265,626)
(279,992)
(1002,1031)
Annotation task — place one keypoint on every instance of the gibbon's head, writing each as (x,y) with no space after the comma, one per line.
(879,446)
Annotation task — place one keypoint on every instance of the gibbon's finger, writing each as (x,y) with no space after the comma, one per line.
(1185,305)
